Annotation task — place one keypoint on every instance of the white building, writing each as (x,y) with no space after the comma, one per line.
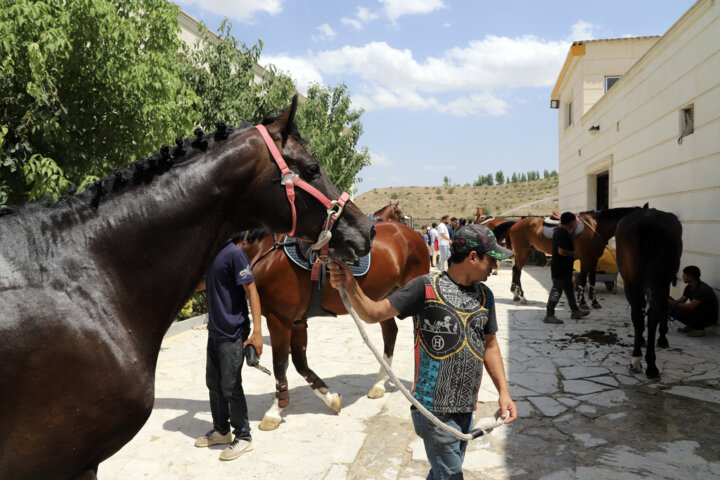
(639,121)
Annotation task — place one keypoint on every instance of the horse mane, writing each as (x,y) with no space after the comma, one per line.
(255,235)
(501,230)
(144,171)
(609,214)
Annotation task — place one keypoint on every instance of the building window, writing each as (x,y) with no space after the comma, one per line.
(687,122)
(610,81)
(568,115)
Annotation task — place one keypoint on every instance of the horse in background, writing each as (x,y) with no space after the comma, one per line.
(499,226)
(90,284)
(649,246)
(598,228)
(398,255)
(391,211)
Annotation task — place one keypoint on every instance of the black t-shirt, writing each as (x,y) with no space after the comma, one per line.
(561,265)
(708,307)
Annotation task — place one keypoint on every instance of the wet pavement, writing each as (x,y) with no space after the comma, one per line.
(582,414)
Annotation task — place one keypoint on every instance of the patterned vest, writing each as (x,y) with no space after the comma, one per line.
(450,344)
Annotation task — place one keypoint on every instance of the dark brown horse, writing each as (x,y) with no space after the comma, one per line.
(499,226)
(89,286)
(391,211)
(649,246)
(598,228)
(398,255)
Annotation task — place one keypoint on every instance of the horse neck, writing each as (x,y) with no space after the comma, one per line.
(385,213)
(154,244)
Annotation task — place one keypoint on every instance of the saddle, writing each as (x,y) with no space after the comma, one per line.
(300,253)
(551,223)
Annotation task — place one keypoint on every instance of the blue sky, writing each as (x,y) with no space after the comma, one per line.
(449,88)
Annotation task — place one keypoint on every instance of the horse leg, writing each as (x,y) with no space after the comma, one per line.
(298,342)
(653,315)
(638,320)
(389,331)
(516,286)
(591,290)
(280,341)
(580,290)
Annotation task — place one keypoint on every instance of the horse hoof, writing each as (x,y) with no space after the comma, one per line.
(584,306)
(653,374)
(376,392)
(634,370)
(663,343)
(596,305)
(516,298)
(523,300)
(336,403)
(494,272)
(269,423)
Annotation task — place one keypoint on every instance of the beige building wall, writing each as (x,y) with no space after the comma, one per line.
(639,122)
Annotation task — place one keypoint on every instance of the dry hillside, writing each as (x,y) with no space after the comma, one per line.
(427,204)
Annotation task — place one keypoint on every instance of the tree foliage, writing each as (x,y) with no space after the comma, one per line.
(85,86)
(332,130)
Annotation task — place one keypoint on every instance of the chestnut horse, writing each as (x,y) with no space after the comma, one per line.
(649,246)
(89,286)
(398,255)
(598,228)
(391,211)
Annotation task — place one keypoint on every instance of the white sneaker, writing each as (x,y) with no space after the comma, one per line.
(236,448)
(213,437)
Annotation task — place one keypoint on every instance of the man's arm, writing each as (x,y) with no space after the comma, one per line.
(567,253)
(496,370)
(691,305)
(256,311)
(369,310)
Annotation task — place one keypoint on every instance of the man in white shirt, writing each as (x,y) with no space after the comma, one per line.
(444,242)
(433,234)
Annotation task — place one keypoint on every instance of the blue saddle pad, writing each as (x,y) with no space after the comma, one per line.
(548,230)
(292,250)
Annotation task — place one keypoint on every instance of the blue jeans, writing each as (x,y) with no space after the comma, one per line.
(445,452)
(223,376)
(444,256)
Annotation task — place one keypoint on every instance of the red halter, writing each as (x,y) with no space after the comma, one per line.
(291,179)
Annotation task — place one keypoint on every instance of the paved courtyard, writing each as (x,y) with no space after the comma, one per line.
(582,414)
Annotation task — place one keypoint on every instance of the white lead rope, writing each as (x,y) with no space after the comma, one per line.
(478,432)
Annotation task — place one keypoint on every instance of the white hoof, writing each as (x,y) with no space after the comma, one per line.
(377,392)
(332,400)
(269,423)
(523,300)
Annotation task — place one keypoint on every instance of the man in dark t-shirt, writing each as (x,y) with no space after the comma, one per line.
(698,306)
(454,326)
(563,256)
(230,284)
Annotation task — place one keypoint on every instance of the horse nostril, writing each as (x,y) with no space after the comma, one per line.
(372,232)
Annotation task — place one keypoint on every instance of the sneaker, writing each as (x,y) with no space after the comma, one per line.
(213,437)
(552,319)
(696,333)
(579,314)
(684,329)
(236,448)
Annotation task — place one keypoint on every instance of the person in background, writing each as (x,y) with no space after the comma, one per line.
(452,227)
(698,306)
(230,283)
(462,222)
(563,256)
(426,237)
(444,242)
(455,328)
(433,234)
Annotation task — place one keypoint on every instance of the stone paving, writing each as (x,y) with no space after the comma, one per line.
(582,414)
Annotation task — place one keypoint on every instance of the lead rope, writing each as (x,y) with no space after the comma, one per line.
(478,432)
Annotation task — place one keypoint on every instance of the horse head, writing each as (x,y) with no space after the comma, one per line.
(352,231)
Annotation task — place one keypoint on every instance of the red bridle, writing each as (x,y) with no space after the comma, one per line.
(290,179)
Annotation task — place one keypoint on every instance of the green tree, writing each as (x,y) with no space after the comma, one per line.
(446,181)
(85,86)
(489,180)
(499,177)
(229,85)
(523,177)
(514,177)
(332,129)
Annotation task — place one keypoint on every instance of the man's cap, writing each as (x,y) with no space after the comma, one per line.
(481,239)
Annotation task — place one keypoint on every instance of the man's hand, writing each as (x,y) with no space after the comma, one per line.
(340,275)
(256,339)
(508,410)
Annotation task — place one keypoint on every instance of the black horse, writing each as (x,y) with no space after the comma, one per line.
(649,245)
(89,285)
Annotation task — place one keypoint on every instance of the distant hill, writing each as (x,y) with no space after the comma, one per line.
(427,204)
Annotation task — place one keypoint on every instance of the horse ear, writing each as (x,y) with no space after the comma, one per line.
(285,121)
(646,206)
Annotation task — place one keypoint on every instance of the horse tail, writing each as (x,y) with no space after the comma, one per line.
(501,231)
(661,244)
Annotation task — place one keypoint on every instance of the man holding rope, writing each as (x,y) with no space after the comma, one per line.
(454,328)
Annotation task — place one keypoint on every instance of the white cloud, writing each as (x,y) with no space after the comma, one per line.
(326,33)
(365,15)
(380,160)
(397,8)
(302,71)
(582,30)
(242,10)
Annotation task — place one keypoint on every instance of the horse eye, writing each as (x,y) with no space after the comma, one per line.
(313,170)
